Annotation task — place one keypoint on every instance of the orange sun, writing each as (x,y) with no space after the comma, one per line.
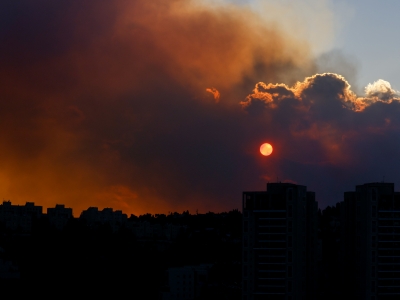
(266,149)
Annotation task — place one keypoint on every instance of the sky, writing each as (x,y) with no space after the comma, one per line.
(161,106)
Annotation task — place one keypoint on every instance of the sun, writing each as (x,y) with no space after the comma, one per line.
(266,149)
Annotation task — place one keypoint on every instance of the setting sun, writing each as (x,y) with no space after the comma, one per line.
(266,149)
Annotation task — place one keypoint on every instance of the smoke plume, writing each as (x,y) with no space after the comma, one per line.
(147,106)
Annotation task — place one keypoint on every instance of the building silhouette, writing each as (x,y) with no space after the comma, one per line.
(186,282)
(280,243)
(59,216)
(370,241)
(19,216)
(8,270)
(94,217)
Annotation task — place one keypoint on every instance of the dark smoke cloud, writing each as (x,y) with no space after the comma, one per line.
(331,137)
(108,103)
(143,106)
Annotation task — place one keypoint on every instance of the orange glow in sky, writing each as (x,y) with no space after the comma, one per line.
(143,106)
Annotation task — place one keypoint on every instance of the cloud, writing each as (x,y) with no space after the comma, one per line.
(103,103)
(381,90)
(108,104)
(326,130)
(326,90)
(215,93)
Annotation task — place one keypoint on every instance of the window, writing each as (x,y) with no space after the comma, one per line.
(290,194)
(373,194)
(249,202)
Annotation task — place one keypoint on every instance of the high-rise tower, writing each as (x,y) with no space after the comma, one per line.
(370,241)
(280,243)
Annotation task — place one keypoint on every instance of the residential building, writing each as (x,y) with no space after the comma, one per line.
(94,217)
(19,216)
(280,243)
(370,241)
(59,216)
(186,283)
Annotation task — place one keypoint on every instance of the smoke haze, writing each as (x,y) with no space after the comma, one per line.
(157,106)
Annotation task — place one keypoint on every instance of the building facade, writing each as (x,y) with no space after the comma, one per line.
(279,243)
(59,216)
(19,217)
(186,283)
(95,217)
(370,241)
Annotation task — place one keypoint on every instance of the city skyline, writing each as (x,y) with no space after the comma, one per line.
(150,108)
(187,211)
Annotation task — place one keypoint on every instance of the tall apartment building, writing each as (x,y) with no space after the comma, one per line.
(370,241)
(280,243)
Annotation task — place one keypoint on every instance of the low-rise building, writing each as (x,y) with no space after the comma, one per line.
(95,217)
(19,216)
(59,216)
